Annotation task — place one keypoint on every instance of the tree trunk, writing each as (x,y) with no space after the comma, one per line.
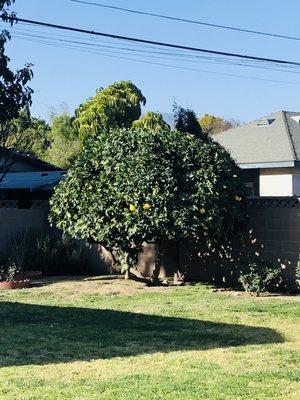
(127,273)
(155,273)
(179,277)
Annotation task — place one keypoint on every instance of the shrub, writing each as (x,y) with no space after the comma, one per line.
(42,251)
(9,272)
(261,276)
(132,186)
(297,274)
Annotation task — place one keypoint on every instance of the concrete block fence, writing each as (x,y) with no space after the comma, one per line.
(274,234)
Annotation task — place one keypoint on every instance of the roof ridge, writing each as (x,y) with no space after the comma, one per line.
(289,135)
(28,157)
(290,112)
(245,123)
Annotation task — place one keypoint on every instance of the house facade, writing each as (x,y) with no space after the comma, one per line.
(27,180)
(24,194)
(268,152)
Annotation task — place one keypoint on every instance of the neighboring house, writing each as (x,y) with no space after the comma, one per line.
(268,151)
(24,204)
(24,195)
(24,163)
(28,180)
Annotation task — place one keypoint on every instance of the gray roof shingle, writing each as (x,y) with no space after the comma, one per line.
(273,139)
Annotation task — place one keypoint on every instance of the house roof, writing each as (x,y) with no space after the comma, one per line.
(44,180)
(270,141)
(19,156)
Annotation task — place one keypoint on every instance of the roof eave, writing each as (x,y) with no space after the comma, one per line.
(273,164)
(46,186)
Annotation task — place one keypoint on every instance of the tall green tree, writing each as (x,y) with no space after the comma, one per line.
(131,186)
(64,141)
(186,121)
(28,134)
(14,91)
(116,106)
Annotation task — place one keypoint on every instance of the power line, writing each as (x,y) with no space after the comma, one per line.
(146,53)
(145,41)
(189,21)
(211,59)
(104,53)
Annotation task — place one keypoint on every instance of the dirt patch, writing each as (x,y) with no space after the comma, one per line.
(100,285)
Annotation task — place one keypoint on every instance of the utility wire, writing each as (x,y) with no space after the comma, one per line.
(164,55)
(146,49)
(145,41)
(136,47)
(104,53)
(189,21)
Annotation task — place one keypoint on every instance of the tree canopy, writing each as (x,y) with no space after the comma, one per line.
(64,141)
(56,143)
(152,121)
(186,121)
(211,124)
(131,186)
(28,135)
(14,92)
(60,142)
(116,106)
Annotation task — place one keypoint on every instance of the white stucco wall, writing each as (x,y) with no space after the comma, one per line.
(277,182)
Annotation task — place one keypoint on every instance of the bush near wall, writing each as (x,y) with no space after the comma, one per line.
(43,251)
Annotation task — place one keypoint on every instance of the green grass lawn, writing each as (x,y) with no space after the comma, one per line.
(113,339)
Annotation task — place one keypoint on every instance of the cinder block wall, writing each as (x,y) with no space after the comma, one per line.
(273,234)
(15,220)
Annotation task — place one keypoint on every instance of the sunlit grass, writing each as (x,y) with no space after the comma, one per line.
(74,339)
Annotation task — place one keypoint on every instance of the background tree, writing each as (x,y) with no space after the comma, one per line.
(28,134)
(14,92)
(128,187)
(211,124)
(64,141)
(152,121)
(116,106)
(186,121)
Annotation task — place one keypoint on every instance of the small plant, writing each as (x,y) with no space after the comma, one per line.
(17,249)
(9,272)
(13,271)
(297,273)
(2,273)
(261,276)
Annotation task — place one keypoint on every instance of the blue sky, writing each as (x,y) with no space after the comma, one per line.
(69,76)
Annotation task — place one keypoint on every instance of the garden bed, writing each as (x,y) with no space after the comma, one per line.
(19,284)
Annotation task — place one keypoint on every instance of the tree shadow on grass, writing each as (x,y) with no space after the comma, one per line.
(38,334)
